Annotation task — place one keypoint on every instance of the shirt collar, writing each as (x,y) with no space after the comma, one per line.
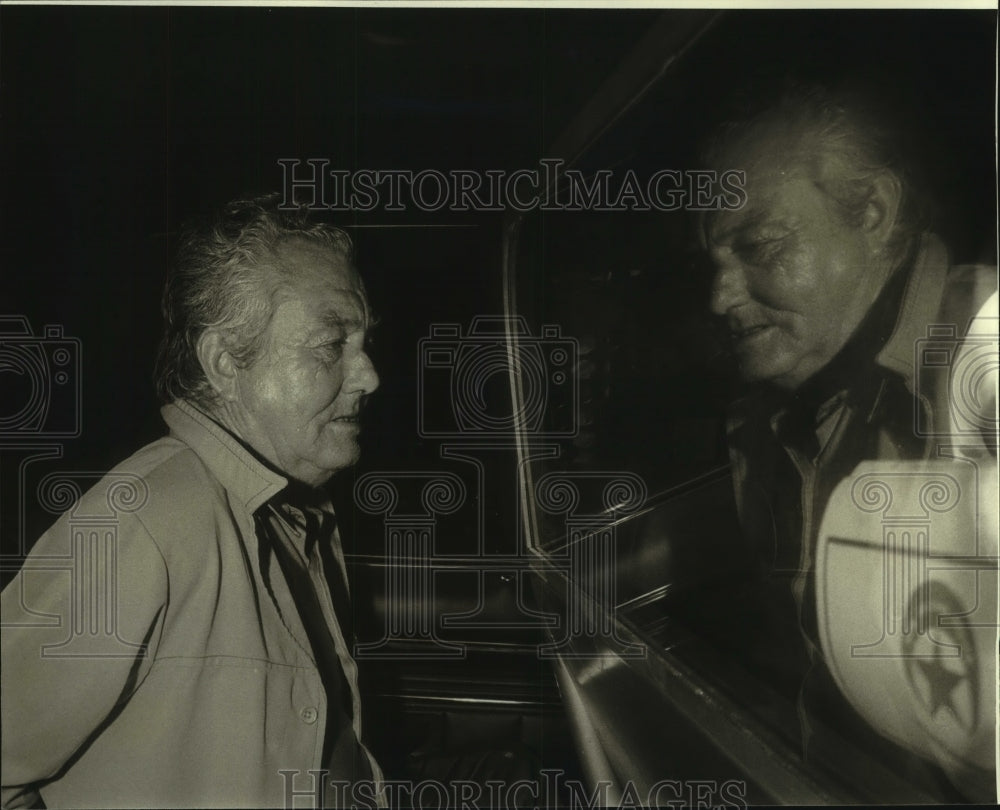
(250,481)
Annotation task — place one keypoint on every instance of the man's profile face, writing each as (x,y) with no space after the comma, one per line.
(299,401)
(792,279)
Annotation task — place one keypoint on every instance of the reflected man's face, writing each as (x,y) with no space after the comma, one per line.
(299,401)
(792,279)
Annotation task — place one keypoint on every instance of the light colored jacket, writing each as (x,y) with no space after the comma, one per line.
(146,660)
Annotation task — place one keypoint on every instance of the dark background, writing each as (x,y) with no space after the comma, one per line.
(116,125)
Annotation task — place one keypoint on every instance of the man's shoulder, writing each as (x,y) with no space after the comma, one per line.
(967,288)
(168,464)
(164,487)
(984,275)
(157,507)
(153,459)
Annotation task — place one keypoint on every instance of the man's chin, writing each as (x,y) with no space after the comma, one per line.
(754,369)
(323,466)
(343,459)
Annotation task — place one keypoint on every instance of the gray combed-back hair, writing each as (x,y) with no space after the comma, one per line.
(848,129)
(224,277)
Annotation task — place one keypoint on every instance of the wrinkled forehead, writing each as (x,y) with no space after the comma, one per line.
(770,161)
(324,279)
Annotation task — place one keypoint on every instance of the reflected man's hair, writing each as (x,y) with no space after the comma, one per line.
(847,130)
(224,277)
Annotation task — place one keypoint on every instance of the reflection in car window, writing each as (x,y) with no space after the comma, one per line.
(720,561)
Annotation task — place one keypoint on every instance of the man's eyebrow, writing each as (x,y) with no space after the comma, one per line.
(335,320)
(761,218)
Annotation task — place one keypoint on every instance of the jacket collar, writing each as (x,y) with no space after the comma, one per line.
(243,475)
(920,306)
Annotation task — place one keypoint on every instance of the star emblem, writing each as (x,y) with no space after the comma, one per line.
(939,664)
(938,685)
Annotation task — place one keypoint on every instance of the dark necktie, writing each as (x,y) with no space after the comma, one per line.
(300,537)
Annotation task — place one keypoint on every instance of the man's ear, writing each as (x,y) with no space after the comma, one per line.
(217,363)
(882,210)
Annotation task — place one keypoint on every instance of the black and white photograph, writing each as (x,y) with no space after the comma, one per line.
(498,405)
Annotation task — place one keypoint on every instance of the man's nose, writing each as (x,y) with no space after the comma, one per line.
(363,377)
(729,286)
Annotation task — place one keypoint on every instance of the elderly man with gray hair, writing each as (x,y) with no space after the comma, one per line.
(228,678)
(828,279)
